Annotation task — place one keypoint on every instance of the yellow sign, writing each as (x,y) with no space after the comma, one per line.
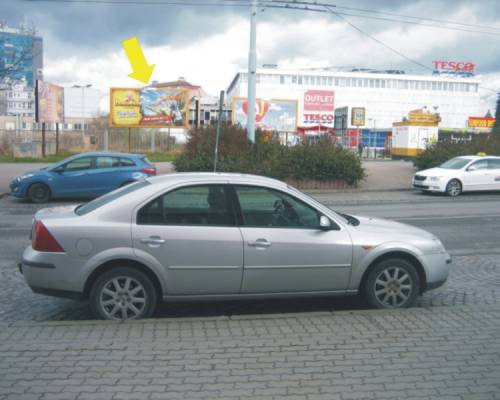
(141,70)
(358,116)
(149,108)
(481,122)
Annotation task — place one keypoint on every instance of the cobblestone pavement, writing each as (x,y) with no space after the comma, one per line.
(439,353)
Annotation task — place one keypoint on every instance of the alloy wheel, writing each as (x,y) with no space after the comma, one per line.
(393,287)
(454,188)
(122,298)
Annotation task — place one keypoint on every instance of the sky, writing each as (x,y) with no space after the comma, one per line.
(207,45)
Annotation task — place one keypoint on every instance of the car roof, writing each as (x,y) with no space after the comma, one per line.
(186,177)
(109,154)
(470,157)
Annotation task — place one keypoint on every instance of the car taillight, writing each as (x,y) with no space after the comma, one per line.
(149,171)
(42,239)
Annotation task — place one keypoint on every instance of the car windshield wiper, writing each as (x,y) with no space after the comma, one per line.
(350,219)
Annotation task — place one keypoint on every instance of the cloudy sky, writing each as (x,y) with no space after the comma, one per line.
(205,44)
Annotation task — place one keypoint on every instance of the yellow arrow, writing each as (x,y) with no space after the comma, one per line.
(142,71)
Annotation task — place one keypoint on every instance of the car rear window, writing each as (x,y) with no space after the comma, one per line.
(109,197)
(127,162)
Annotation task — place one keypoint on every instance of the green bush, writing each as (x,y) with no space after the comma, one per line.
(438,153)
(320,161)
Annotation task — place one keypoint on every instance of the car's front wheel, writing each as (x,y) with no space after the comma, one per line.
(39,193)
(123,293)
(393,283)
(454,188)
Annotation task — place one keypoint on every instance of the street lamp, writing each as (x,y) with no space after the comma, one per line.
(83,110)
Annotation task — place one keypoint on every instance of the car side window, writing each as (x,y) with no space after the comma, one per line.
(126,162)
(493,163)
(79,164)
(263,207)
(482,164)
(104,162)
(206,205)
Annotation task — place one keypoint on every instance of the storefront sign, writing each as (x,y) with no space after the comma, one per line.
(358,116)
(318,100)
(481,122)
(454,66)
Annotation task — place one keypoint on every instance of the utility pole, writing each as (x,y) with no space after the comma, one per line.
(217,137)
(252,70)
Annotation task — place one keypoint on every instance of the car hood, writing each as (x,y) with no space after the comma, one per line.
(56,212)
(381,226)
(436,172)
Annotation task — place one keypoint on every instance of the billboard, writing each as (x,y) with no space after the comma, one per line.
(481,122)
(149,107)
(318,107)
(273,115)
(49,102)
(358,116)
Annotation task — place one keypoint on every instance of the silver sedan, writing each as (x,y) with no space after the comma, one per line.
(196,236)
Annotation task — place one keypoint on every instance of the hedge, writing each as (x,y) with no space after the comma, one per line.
(322,161)
(439,152)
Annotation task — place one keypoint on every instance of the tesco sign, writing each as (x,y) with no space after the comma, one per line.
(454,66)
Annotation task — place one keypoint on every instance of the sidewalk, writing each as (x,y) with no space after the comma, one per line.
(381,175)
(418,353)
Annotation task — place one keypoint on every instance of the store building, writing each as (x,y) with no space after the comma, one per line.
(386,95)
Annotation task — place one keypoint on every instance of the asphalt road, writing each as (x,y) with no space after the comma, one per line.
(468,226)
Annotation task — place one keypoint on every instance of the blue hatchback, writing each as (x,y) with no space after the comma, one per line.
(85,175)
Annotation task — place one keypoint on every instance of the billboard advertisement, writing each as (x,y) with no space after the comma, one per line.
(358,116)
(481,122)
(149,108)
(273,115)
(49,102)
(318,107)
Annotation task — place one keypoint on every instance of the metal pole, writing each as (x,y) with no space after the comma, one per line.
(83,118)
(43,139)
(129,135)
(219,120)
(106,139)
(57,137)
(252,70)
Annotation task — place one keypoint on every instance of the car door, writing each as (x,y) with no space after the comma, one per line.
(192,232)
(106,174)
(73,179)
(284,249)
(494,169)
(477,176)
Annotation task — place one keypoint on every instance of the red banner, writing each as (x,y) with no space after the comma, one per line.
(318,100)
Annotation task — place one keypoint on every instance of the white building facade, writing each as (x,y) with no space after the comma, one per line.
(387,96)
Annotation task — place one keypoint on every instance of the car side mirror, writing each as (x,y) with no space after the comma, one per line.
(324,223)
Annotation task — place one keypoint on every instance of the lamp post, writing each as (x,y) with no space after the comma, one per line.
(252,72)
(83,110)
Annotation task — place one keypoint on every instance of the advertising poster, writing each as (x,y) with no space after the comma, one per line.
(272,115)
(481,122)
(49,102)
(318,107)
(149,108)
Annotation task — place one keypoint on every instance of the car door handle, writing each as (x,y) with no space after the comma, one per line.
(153,240)
(260,243)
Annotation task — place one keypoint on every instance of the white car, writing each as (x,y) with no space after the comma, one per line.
(460,174)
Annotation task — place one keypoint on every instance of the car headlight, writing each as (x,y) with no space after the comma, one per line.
(435,178)
(25,176)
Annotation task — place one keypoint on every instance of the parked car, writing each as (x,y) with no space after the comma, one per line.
(197,236)
(461,174)
(85,175)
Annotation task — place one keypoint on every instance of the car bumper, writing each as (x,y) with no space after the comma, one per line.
(437,267)
(430,186)
(49,273)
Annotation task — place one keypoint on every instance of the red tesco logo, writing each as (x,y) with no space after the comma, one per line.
(454,66)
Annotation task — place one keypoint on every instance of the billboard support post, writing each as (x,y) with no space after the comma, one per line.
(105,141)
(129,137)
(252,71)
(57,137)
(217,136)
(43,139)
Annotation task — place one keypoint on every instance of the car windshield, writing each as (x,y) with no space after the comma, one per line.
(455,163)
(108,198)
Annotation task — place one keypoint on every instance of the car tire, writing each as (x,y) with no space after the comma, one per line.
(392,283)
(123,293)
(39,193)
(454,188)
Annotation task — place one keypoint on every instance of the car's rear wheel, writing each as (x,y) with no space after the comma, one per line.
(454,188)
(39,193)
(123,293)
(393,283)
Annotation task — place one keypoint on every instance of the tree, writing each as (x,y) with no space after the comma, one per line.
(496,127)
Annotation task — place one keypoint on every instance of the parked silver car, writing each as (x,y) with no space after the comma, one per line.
(195,236)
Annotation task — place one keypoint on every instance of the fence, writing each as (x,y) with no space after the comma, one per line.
(28,143)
